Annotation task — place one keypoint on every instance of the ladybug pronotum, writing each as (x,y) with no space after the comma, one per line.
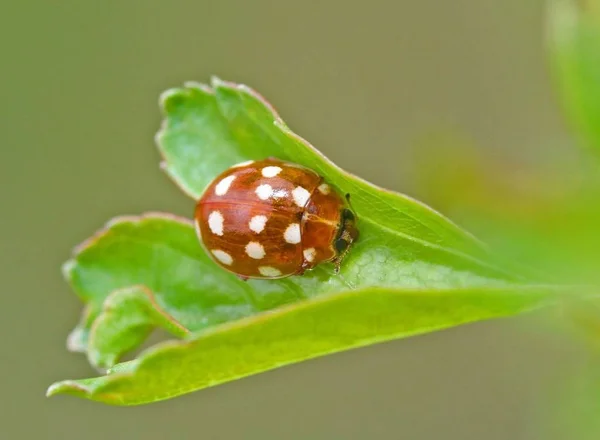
(272,219)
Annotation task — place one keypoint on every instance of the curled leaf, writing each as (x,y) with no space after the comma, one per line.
(127,318)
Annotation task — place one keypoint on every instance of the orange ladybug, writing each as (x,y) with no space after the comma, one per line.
(272,219)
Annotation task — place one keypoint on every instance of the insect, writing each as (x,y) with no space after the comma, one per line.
(273,219)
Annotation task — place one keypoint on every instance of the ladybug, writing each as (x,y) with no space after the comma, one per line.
(272,219)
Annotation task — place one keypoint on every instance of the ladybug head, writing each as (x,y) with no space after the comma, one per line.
(347,234)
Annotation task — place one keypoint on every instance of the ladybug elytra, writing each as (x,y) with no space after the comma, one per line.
(273,219)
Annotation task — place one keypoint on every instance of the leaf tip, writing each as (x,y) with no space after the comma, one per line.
(252,93)
(68,267)
(169,98)
(198,86)
(174,98)
(76,341)
(66,387)
(217,82)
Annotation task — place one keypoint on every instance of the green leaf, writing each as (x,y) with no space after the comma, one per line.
(411,271)
(574,44)
(320,326)
(256,131)
(160,254)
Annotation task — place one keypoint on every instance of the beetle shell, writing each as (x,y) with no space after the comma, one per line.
(272,219)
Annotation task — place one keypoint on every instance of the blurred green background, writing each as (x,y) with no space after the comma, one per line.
(364,82)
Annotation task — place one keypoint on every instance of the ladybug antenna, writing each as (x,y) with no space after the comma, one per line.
(349,202)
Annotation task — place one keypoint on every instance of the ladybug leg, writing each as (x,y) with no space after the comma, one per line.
(305,266)
(242,277)
(336,266)
(348,200)
(302,270)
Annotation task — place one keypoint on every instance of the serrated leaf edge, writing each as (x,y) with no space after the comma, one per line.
(101,232)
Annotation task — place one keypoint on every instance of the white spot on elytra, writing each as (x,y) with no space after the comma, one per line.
(255,250)
(223,186)
(324,188)
(268,271)
(309,254)
(215,222)
(301,196)
(271,171)
(280,193)
(257,223)
(222,256)
(292,233)
(243,164)
(264,191)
